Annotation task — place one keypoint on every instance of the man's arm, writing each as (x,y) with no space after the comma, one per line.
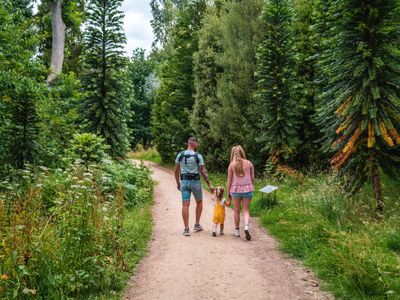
(204,173)
(178,176)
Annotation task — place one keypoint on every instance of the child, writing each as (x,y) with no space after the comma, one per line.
(219,210)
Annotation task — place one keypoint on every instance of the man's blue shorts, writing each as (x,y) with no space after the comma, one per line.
(191,186)
(248,195)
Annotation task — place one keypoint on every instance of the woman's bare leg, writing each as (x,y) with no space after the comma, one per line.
(246,213)
(236,211)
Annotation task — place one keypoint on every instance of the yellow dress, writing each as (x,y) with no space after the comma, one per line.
(219,212)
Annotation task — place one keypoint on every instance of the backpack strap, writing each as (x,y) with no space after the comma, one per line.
(185,156)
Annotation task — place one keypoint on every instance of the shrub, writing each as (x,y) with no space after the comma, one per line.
(65,236)
(88,147)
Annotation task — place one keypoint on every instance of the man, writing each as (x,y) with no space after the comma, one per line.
(188,166)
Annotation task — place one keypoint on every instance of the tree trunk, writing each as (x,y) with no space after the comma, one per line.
(58,32)
(376,179)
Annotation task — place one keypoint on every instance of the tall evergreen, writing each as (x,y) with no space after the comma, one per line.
(206,73)
(359,110)
(174,99)
(21,89)
(235,120)
(141,75)
(309,153)
(276,83)
(105,108)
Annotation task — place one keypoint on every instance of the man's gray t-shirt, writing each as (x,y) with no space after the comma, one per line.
(190,166)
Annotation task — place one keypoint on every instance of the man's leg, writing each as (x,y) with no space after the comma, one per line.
(185,212)
(199,210)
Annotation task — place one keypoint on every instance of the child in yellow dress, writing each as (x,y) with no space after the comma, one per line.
(219,210)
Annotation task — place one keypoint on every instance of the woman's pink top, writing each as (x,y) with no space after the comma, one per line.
(242,184)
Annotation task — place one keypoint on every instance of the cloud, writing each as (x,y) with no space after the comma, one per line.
(137,25)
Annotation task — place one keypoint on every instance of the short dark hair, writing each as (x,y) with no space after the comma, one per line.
(192,140)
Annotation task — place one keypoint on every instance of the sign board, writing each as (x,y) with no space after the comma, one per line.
(268,189)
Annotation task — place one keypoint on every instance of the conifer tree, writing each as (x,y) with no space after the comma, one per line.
(235,119)
(276,83)
(206,73)
(21,90)
(309,153)
(359,110)
(174,99)
(105,107)
(142,78)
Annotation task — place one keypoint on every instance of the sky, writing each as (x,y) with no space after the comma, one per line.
(137,25)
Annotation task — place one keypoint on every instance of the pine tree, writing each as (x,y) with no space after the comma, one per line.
(359,110)
(276,82)
(106,105)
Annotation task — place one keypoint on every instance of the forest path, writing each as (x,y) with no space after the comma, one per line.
(206,267)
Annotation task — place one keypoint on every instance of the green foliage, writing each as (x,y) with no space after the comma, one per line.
(276,83)
(66,234)
(21,89)
(308,151)
(337,237)
(59,114)
(225,113)
(359,109)
(140,72)
(174,98)
(73,17)
(88,148)
(105,107)
(206,73)
(149,154)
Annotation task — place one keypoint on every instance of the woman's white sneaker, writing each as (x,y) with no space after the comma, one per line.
(236,233)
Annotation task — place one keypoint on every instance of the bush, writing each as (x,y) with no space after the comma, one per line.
(88,147)
(64,235)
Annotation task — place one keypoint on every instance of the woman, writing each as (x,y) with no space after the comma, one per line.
(241,187)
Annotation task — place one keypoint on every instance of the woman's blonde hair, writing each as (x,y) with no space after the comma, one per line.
(237,158)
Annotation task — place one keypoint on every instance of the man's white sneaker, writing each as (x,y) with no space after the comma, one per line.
(236,233)
(186,232)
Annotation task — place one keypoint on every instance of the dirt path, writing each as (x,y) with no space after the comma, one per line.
(206,267)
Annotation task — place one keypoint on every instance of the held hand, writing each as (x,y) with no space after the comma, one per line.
(212,189)
(178,186)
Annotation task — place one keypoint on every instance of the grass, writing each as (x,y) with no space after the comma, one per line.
(355,255)
(146,154)
(137,233)
(74,233)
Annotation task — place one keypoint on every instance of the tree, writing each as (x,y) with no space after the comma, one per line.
(359,109)
(174,98)
(105,107)
(206,73)
(21,89)
(73,17)
(24,6)
(140,74)
(235,120)
(308,150)
(276,80)
(58,33)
